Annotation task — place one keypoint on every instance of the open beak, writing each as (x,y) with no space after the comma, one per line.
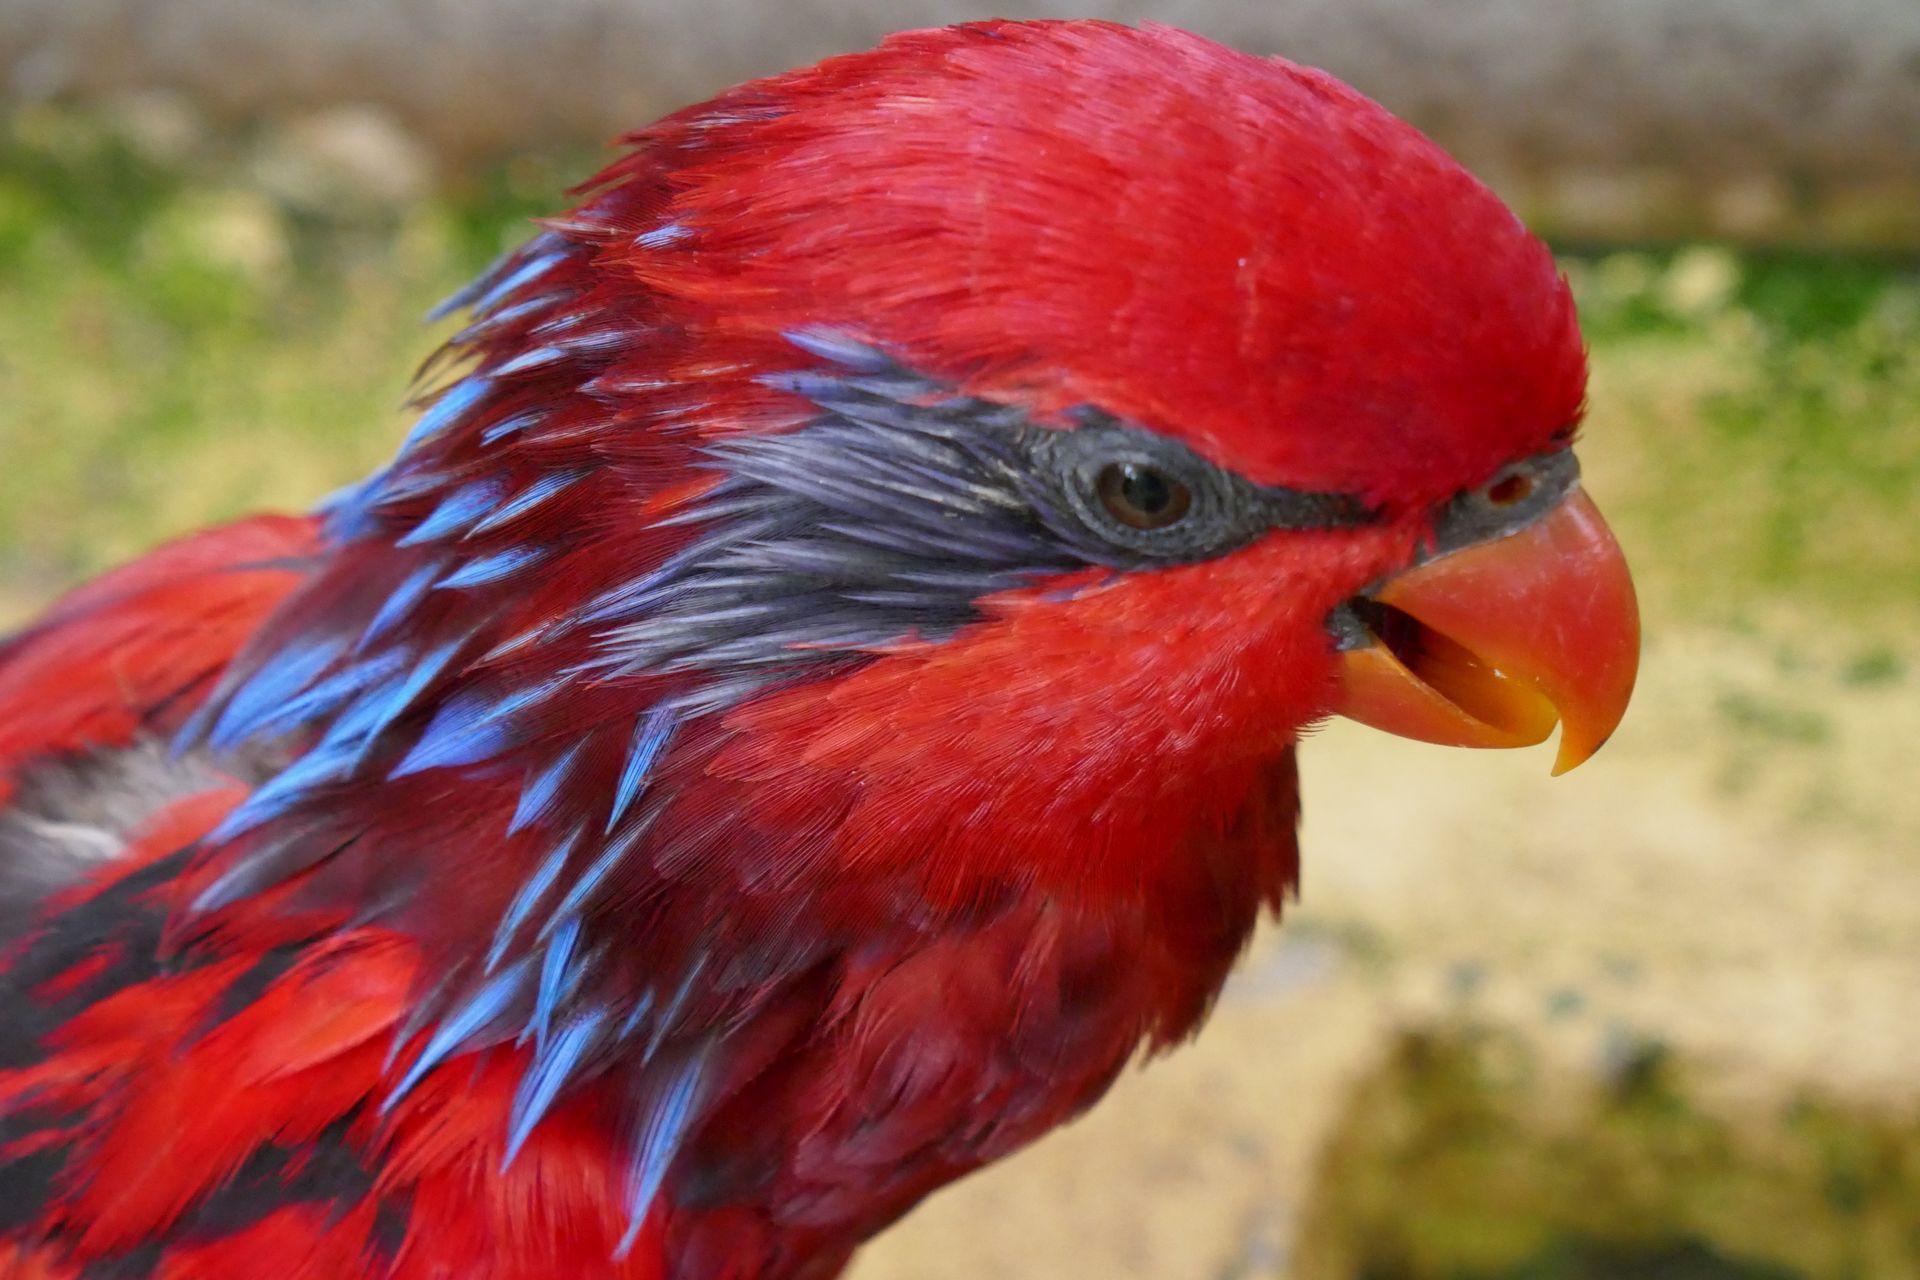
(1491,645)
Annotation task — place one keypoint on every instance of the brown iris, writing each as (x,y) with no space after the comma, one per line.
(1140,496)
(1511,489)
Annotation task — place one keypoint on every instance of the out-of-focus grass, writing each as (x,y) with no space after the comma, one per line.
(1464,1159)
(178,343)
(1756,427)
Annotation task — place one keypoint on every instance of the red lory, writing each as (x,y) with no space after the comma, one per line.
(813,697)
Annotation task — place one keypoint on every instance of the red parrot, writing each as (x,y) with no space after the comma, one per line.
(813,697)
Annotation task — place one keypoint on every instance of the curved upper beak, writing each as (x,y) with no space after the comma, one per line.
(1491,645)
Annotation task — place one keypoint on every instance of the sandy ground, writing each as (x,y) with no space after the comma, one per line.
(1733,876)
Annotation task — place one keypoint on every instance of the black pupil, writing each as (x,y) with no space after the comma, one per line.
(1145,490)
(1141,496)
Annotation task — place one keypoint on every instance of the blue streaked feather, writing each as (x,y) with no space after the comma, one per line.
(507,426)
(325,697)
(462,1023)
(668,1015)
(400,601)
(590,879)
(553,1065)
(494,321)
(348,512)
(542,789)
(321,764)
(466,729)
(532,358)
(266,864)
(269,686)
(402,484)
(456,513)
(540,491)
(529,897)
(495,283)
(368,718)
(842,349)
(453,403)
(663,235)
(489,569)
(635,1015)
(649,736)
(558,975)
(660,1135)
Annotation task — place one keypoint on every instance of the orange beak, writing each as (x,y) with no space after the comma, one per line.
(1490,645)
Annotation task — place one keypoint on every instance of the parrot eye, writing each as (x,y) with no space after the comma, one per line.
(1510,489)
(1142,497)
(1145,495)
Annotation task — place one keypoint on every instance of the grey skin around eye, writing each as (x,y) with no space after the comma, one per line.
(1517,495)
(1227,512)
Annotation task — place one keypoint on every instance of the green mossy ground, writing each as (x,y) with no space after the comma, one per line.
(1465,1159)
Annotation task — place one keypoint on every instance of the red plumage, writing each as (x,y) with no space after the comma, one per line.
(134,649)
(724,780)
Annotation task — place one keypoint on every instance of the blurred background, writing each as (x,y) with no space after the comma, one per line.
(1657,1019)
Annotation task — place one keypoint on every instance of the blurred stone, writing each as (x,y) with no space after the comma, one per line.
(239,230)
(1722,97)
(1625,275)
(38,74)
(1636,203)
(1699,280)
(1880,212)
(342,158)
(165,128)
(243,231)
(1755,206)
